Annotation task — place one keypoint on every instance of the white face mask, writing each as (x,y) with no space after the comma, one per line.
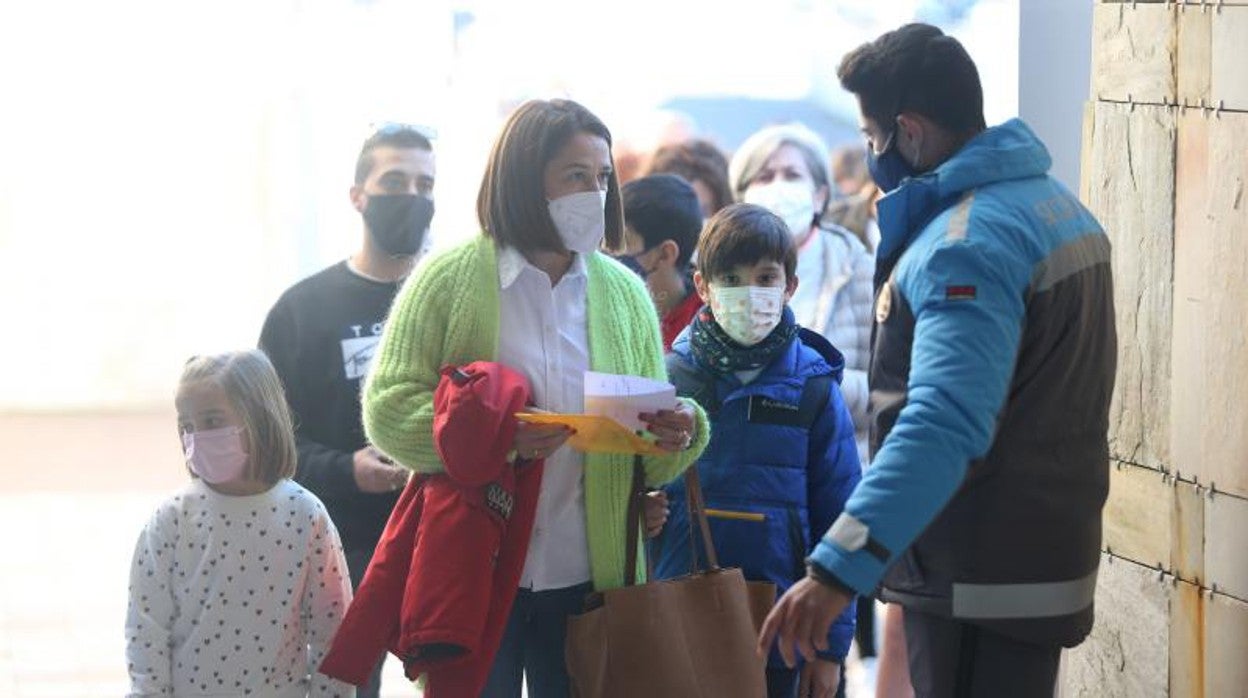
(747,313)
(580,219)
(215,455)
(791,201)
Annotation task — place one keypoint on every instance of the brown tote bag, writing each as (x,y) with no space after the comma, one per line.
(684,638)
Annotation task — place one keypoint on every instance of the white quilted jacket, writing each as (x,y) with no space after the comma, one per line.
(837,301)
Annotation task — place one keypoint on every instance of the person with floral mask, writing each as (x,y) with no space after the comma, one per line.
(533,292)
(238,582)
(784,168)
(781,461)
(322,333)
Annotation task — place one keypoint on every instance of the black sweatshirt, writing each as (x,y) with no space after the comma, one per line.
(321,336)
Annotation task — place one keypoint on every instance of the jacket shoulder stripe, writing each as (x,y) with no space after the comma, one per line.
(961,218)
(1071,258)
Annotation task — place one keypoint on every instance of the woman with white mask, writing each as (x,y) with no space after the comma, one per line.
(784,168)
(533,292)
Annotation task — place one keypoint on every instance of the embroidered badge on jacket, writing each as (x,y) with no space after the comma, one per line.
(499,500)
(959,293)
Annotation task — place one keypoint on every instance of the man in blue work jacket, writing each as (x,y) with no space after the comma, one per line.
(992,365)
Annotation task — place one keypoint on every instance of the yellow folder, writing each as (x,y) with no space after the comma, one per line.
(596,434)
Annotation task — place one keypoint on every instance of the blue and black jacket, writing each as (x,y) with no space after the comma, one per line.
(992,366)
(780,464)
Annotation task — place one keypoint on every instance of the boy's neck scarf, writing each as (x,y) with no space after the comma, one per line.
(715,351)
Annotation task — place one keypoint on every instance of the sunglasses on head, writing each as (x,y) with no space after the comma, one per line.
(390,128)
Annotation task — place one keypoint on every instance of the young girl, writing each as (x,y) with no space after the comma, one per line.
(238,582)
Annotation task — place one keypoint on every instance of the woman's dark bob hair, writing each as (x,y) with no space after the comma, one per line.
(512,205)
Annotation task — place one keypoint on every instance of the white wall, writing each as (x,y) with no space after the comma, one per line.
(1054,68)
(167,169)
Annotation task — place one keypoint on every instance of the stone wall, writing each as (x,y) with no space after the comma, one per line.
(1165,168)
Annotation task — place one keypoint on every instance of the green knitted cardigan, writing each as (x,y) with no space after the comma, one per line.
(448,313)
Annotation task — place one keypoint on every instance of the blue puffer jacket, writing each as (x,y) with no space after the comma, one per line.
(791,482)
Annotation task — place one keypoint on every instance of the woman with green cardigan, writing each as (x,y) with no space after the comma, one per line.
(534,293)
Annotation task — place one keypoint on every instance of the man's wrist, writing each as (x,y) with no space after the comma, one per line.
(821,574)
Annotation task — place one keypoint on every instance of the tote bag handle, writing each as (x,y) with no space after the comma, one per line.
(698,524)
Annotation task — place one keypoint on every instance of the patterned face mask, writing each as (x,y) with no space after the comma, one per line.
(747,313)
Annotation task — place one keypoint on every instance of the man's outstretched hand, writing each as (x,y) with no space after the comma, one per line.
(802,618)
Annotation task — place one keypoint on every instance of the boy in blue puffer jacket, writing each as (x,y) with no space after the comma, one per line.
(782,460)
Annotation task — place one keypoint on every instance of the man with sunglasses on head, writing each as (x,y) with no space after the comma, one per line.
(992,365)
(322,333)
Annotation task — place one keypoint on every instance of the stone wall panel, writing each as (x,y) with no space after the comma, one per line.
(1129,185)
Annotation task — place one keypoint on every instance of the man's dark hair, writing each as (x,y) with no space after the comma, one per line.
(918,69)
(696,160)
(745,234)
(393,136)
(664,207)
(511,204)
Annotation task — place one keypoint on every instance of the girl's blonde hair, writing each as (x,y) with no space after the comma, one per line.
(250,383)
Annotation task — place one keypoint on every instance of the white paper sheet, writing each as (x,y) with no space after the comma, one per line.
(622,398)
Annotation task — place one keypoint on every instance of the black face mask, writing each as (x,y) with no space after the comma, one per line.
(889,169)
(630,261)
(398,222)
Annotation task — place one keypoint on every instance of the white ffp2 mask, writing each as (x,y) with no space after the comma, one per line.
(791,201)
(580,219)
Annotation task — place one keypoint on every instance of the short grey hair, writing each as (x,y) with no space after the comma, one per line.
(758,149)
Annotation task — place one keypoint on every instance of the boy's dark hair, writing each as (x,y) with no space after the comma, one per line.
(919,69)
(511,204)
(745,234)
(391,136)
(664,207)
(696,160)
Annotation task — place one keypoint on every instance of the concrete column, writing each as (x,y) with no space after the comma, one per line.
(1054,65)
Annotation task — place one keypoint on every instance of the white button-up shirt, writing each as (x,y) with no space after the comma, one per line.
(543,334)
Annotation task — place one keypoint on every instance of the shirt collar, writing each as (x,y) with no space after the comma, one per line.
(511,264)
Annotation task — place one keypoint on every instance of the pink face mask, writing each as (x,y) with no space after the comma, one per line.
(215,455)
